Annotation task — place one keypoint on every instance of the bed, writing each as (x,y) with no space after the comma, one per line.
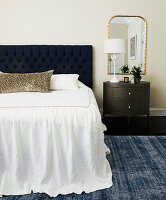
(53,142)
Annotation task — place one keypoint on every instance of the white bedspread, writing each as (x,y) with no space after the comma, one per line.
(63,98)
(56,150)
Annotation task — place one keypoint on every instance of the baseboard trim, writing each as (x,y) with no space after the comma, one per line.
(153,111)
(157,111)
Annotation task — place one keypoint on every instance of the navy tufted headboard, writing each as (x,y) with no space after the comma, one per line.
(64,59)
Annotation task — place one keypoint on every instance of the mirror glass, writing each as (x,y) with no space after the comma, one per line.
(133,29)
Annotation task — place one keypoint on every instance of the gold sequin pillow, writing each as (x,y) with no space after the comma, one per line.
(28,82)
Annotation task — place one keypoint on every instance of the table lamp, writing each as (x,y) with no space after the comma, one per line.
(114,47)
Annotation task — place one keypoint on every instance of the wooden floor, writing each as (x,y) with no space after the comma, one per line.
(135,126)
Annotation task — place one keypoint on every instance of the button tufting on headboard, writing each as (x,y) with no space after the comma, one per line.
(37,58)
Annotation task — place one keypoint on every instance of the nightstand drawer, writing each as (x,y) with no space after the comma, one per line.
(127,107)
(128,93)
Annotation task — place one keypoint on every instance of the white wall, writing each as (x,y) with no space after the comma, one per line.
(85,22)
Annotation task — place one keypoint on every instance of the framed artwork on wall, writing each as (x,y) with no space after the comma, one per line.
(133,47)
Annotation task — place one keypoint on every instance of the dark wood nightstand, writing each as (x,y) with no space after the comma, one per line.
(126,99)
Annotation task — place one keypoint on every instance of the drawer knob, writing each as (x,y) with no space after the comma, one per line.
(129,93)
(129,107)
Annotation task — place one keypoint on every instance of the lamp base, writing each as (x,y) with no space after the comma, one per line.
(114,79)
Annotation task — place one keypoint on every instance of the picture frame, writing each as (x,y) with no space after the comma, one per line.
(133,47)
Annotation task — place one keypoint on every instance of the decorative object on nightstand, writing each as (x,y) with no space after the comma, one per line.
(114,47)
(136,73)
(121,99)
(126,79)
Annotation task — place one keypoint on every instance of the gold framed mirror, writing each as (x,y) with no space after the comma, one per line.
(133,29)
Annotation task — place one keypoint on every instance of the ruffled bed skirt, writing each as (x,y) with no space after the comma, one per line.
(52,150)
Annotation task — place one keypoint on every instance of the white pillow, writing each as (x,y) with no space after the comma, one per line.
(64,82)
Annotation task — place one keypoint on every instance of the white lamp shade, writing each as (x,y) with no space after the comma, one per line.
(114,46)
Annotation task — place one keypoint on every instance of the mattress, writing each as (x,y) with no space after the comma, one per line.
(52,148)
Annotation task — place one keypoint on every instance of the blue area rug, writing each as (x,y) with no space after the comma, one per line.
(139,171)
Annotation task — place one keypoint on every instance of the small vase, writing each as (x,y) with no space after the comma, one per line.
(137,80)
